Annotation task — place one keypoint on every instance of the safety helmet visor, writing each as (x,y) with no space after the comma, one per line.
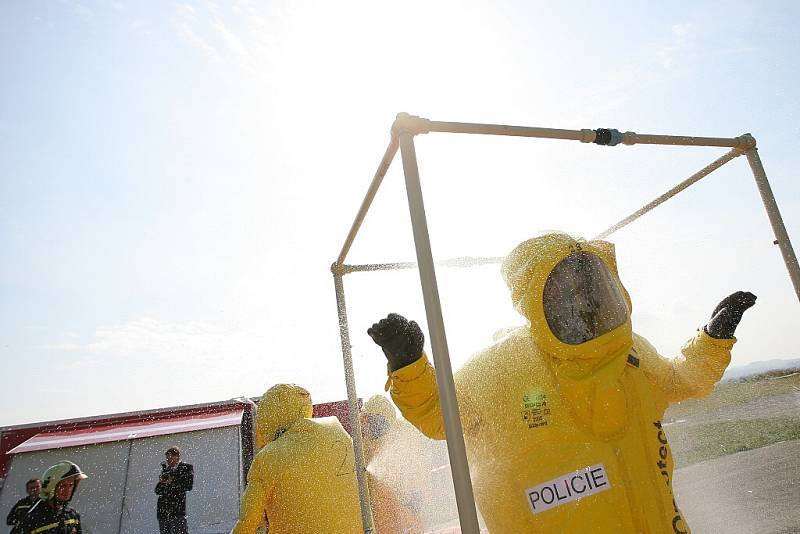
(582,299)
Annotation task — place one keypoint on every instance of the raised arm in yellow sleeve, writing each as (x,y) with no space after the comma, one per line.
(415,393)
(703,358)
(694,373)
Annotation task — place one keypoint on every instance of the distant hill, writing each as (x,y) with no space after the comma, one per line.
(755,368)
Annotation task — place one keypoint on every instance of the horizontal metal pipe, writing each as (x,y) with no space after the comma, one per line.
(584,135)
(631,138)
(388,156)
(465,261)
(672,192)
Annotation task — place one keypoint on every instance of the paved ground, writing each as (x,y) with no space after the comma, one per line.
(749,492)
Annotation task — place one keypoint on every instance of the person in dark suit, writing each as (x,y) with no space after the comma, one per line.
(176,479)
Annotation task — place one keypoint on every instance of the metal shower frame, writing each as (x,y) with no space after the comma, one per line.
(403,130)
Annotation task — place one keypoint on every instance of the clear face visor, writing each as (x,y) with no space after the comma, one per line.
(376,425)
(582,300)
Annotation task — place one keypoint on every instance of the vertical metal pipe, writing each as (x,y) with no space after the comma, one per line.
(465,500)
(125,486)
(352,403)
(239,474)
(775,219)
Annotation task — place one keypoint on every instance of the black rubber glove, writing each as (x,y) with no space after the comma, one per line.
(400,339)
(728,313)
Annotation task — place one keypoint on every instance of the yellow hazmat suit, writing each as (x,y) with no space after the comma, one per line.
(302,479)
(394,485)
(567,436)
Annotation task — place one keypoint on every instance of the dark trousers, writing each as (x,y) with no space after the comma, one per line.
(173,525)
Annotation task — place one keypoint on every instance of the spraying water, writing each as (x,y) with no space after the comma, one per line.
(409,476)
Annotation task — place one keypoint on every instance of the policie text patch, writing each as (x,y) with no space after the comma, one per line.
(569,487)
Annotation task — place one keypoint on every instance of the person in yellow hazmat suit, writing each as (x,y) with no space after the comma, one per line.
(562,417)
(396,488)
(302,479)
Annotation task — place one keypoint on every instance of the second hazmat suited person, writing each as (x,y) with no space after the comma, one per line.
(562,416)
(397,487)
(302,479)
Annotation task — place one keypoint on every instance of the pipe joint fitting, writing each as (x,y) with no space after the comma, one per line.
(411,124)
(746,142)
(608,137)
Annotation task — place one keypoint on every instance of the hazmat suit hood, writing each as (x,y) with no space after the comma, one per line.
(279,408)
(579,315)
(377,417)
(380,405)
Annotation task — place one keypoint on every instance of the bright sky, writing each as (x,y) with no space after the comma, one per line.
(176,179)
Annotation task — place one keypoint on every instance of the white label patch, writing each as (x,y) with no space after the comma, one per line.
(566,488)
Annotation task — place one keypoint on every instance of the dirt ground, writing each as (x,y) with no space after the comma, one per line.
(747,492)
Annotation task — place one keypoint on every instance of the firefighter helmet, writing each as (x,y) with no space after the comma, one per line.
(61,471)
